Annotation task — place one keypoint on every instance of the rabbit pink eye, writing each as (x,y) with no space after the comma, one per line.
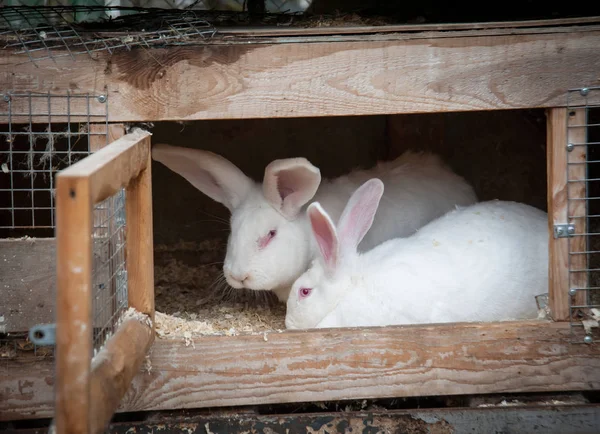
(264,241)
(305,292)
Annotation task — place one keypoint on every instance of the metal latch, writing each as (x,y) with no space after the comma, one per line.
(564,231)
(43,334)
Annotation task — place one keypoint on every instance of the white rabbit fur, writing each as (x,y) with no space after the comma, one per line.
(484,262)
(420,187)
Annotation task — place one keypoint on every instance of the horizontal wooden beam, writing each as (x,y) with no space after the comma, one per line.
(405,73)
(335,364)
(113,167)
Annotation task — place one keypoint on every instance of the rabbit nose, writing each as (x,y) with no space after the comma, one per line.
(241,278)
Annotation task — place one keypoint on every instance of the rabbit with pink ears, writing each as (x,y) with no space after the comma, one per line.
(483,262)
(270,244)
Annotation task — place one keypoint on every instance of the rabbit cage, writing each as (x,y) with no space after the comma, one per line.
(110,278)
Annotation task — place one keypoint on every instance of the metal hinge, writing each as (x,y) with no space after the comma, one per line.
(43,334)
(564,231)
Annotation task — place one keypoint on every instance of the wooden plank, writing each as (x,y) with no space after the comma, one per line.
(316,365)
(430,74)
(74,304)
(101,134)
(140,245)
(577,205)
(114,368)
(558,267)
(27,283)
(113,167)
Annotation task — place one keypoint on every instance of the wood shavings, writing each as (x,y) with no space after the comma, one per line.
(589,324)
(189,303)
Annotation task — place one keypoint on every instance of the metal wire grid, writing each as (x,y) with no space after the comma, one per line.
(47,33)
(284,6)
(109,276)
(583,210)
(45,141)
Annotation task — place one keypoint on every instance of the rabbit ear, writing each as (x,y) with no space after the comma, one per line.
(289,184)
(325,235)
(210,173)
(359,213)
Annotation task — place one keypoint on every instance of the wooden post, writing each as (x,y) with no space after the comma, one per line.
(101,134)
(140,250)
(558,210)
(577,204)
(74,304)
(558,266)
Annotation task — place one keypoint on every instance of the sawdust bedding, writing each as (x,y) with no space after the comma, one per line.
(192,298)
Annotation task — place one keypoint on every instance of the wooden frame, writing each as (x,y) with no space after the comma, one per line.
(283,76)
(440,68)
(89,391)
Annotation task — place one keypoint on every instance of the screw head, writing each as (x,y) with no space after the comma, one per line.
(559,231)
(572,292)
(570,147)
(6,98)
(584,91)
(101,98)
(571,230)
(588,339)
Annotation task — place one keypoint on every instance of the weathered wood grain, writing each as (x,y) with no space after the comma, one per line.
(73,303)
(27,283)
(558,254)
(349,364)
(103,134)
(424,74)
(139,254)
(27,389)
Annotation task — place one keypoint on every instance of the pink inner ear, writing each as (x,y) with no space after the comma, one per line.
(325,237)
(284,190)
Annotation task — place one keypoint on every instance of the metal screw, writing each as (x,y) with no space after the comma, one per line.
(572,292)
(6,98)
(571,229)
(559,231)
(570,147)
(584,91)
(588,339)
(102,98)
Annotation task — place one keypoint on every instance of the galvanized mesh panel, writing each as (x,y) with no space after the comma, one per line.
(36,143)
(583,210)
(109,278)
(227,5)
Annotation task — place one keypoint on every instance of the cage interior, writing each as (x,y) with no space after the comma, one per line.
(190,229)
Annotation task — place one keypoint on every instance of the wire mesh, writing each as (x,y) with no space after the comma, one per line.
(272,6)
(45,140)
(109,276)
(49,33)
(583,211)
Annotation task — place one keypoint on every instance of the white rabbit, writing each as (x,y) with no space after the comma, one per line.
(270,244)
(484,262)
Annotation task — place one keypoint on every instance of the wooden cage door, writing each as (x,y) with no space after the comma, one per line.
(90,381)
